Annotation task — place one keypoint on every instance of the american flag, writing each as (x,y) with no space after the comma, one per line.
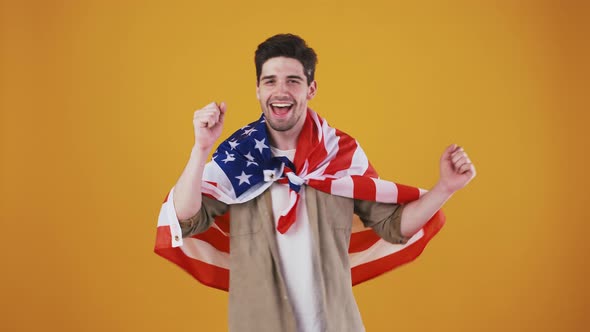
(326,159)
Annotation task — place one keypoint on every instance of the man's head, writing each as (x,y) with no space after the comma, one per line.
(285,69)
(289,46)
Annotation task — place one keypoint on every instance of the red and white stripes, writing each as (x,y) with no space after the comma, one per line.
(326,159)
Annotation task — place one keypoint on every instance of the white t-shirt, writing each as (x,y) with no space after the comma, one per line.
(296,257)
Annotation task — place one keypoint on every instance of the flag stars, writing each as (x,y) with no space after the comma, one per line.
(260,145)
(244,178)
(233,144)
(228,157)
(249,131)
(250,160)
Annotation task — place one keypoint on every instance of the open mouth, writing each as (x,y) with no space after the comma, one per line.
(281,108)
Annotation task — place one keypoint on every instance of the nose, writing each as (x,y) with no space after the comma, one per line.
(281,88)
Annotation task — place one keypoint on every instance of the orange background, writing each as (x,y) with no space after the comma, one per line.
(97,99)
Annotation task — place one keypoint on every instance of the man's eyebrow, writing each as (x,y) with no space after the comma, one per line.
(267,77)
(295,76)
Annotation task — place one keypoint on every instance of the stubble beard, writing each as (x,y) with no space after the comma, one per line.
(282,126)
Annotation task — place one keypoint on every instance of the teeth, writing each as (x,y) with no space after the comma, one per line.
(281,105)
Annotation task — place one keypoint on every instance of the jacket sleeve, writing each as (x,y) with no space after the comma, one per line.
(204,218)
(384,218)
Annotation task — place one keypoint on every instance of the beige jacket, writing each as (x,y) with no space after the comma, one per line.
(258,300)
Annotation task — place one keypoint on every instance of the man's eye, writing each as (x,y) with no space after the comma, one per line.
(294,81)
(269,82)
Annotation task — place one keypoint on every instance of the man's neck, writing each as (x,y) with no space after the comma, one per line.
(285,140)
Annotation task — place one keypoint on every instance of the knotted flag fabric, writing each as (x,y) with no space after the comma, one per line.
(326,159)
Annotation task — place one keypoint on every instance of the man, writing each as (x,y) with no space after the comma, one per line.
(288,185)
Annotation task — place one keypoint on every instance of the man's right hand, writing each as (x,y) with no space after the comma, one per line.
(208,123)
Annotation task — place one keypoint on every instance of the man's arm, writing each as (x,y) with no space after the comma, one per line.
(456,170)
(205,217)
(208,123)
(383,218)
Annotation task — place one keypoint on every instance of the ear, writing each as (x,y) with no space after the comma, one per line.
(257,91)
(312,89)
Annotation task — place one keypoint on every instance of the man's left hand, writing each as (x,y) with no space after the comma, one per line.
(456,170)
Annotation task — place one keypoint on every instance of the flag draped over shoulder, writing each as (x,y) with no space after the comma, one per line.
(326,159)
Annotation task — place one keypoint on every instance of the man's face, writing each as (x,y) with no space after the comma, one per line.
(283,93)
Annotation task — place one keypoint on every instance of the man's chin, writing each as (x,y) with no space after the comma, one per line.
(279,126)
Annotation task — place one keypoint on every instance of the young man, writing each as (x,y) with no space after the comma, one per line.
(288,186)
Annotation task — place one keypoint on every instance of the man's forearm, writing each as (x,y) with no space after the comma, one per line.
(187,191)
(418,212)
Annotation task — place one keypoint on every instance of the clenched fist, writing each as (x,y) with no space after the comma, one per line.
(208,123)
(456,169)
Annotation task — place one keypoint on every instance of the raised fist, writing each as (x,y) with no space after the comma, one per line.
(208,123)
